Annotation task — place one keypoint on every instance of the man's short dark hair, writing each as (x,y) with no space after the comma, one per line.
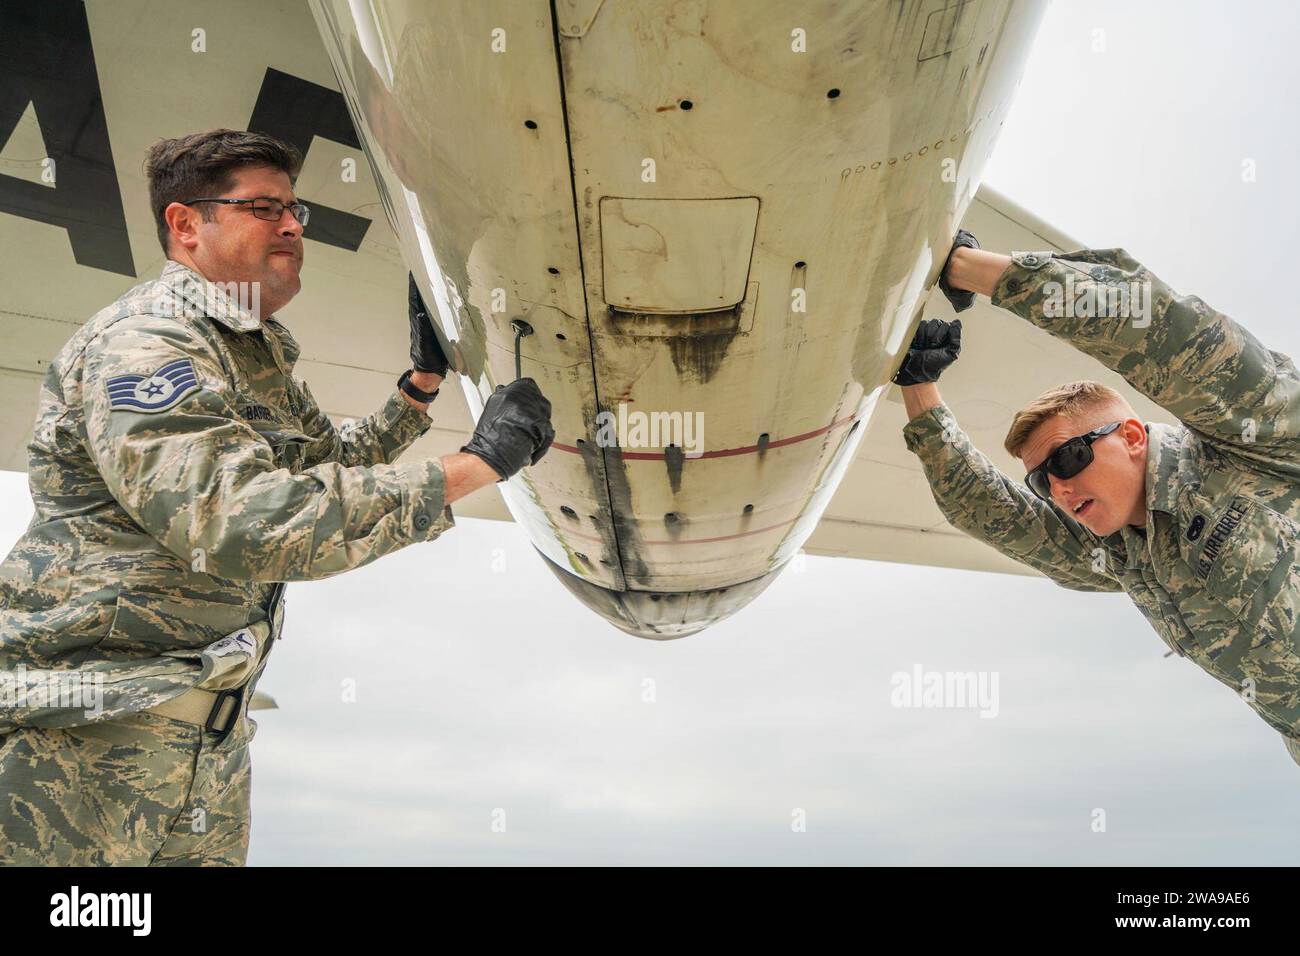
(204,164)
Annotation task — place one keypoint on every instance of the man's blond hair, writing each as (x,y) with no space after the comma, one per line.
(1072,400)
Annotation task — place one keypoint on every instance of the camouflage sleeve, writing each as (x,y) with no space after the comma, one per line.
(1202,366)
(205,485)
(980,500)
(376,440)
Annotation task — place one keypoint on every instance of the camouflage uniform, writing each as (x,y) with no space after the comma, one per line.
(1216,568)
(178,472)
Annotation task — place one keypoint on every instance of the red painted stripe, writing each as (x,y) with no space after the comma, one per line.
(723,537)
(721,452)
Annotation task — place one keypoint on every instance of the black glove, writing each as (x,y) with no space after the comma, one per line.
(514,429)
(935,346)
(961,299)
(426,353)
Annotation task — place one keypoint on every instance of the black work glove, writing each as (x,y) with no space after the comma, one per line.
(961,299)
(514,429)
(935,346)
(426,353)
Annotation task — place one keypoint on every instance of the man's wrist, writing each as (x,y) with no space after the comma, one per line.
(426,381)
(976,270)
(419,388)
(919,399)
(465,473)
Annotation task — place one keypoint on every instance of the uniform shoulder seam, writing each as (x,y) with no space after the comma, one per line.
(168,321)
(77,359)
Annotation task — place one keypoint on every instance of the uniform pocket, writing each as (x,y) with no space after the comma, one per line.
(1248,559)
(1273,657)
(1252,573)
(147,625)
(288,444)
(1149,604)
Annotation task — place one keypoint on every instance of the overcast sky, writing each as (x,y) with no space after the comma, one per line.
(485,692)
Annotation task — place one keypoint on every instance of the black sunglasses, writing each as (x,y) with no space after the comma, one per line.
(1067,460)
(264,207)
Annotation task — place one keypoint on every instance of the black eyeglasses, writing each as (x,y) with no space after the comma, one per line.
(264,207)
(1067,460)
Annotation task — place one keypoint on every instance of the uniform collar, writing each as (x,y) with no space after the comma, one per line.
(288,344)
(1164,458)
(209,299)
(1162,483)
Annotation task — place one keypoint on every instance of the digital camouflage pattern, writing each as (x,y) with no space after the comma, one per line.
(1216,570)
(158,533)
(177,470)
(140,790)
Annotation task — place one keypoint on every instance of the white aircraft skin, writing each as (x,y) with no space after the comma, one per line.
(727,212)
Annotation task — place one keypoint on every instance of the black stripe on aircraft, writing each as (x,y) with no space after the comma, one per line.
(47,60)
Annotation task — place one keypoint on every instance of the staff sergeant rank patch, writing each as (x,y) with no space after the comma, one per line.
(158,392)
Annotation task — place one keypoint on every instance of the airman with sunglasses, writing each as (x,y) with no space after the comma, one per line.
(1199,523)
